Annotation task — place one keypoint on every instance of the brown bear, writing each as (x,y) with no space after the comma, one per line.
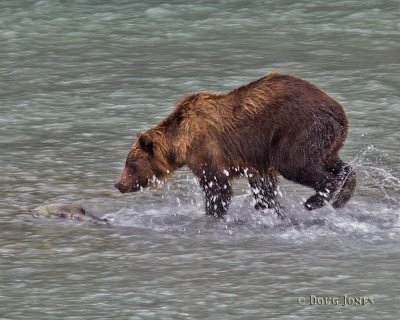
(279,124)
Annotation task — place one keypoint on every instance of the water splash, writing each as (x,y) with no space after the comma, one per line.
(373,214)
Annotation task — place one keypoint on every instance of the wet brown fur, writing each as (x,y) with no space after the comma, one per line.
(276,124)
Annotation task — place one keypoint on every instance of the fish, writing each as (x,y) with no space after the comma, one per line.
(66,211)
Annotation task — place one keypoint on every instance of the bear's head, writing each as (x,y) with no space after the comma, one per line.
(145,163)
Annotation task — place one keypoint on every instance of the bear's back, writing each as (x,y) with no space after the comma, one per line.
(275,102)
(275,93)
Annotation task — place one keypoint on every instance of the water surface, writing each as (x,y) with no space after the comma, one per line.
(78,79)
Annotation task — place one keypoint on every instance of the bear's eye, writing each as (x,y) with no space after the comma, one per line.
(131,164)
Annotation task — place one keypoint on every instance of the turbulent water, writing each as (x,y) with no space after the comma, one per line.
(79,78)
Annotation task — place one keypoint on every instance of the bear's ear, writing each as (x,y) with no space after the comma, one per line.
(139,133)
(146,143)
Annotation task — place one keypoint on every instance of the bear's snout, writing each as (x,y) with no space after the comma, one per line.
(122,187)
(126,182)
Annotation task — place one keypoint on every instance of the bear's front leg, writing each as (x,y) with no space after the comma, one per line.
(218,192)
(264,192)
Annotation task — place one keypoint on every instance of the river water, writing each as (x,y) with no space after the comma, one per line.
(79,78)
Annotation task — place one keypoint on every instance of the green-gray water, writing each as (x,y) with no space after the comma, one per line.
(79,78)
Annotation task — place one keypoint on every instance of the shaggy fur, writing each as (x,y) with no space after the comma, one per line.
(278,124)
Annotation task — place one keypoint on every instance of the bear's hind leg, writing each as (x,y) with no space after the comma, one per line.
(346,187)
(264,192)
(323,182)
(336,182)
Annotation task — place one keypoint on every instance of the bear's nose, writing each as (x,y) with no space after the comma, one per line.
(120,186)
